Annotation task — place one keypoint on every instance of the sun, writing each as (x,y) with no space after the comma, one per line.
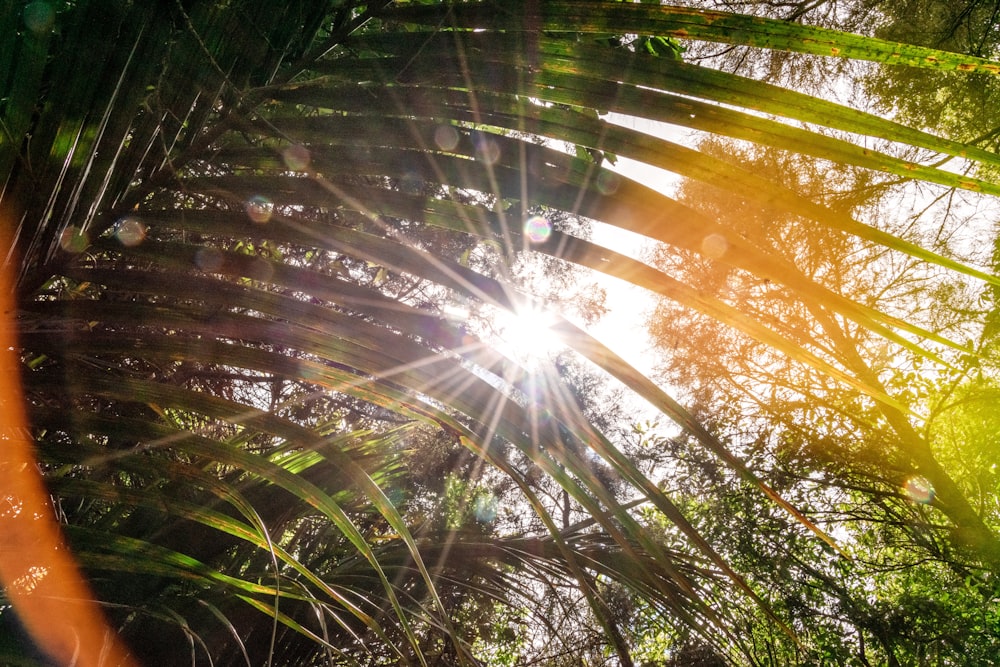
(526,334)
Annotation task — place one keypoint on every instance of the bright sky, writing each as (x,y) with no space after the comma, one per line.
(623,328)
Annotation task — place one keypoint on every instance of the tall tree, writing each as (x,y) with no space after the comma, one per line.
(908,499)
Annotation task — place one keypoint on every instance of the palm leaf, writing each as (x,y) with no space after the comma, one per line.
(216,212)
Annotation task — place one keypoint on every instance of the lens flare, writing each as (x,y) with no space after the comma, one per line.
(608,182)
(209,260)
(39,17)
(919,489)
(130,232)
(73,240)
(537,229)
(297,157)
(259,208)
(446,137)
(485,508)
(714,246)
(487,149)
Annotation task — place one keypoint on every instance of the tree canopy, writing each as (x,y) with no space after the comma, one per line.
(262,254)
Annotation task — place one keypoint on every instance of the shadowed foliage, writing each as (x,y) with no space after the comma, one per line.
(257,250)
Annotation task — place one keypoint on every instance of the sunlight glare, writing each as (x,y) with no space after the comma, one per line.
(456,313)
(527,335)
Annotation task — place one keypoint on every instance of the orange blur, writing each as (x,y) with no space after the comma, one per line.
(37,570)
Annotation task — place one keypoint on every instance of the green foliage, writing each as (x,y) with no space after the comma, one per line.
(257,250)
(960,106)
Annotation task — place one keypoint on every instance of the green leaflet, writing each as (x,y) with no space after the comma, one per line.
(568,16)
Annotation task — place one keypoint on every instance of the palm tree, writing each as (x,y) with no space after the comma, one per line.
(235,228)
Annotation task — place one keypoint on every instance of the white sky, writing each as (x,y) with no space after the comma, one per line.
(623,328)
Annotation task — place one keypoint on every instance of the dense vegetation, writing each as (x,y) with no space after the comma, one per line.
(262,253)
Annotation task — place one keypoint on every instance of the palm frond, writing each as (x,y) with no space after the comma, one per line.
(233,239)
